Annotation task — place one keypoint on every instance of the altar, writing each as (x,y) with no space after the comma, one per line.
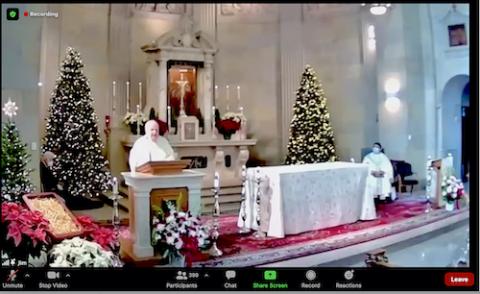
(284,200)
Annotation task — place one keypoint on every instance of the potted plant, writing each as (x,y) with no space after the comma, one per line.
(131,119)
(452,191)
(229,124)
(178,236)
(24,234)
(78,252)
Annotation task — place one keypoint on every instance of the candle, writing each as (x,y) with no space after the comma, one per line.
(238,94)
(113,95)
(213,118)
(228,97)
(128,96)
(115,185)
(138,119)
(216,93)
(169,115)
(140,94)
(216,181)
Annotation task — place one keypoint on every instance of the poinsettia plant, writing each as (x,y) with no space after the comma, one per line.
(104,236)
(24,232)
(78,252)
(179,233)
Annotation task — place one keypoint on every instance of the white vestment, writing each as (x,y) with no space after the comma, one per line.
(382,186)
(145,150)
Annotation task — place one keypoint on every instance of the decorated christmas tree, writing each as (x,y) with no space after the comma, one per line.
(72,132)
(14,171)
(311,135)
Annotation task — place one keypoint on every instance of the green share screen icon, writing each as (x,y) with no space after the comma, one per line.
(270,275)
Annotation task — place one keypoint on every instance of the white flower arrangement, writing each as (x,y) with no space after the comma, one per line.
(235,116)
(452,188)
(131,118)
(78,252)
(175,229)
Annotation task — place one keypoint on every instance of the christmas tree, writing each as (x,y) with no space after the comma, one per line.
(15,174)
(72,132)
(311,135)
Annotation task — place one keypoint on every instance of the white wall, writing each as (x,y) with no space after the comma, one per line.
(248,56)
(413,47)
(335,48)
(450,62)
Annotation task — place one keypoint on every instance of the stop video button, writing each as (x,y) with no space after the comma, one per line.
(459,279)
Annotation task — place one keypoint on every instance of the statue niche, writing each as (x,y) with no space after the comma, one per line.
(182,93)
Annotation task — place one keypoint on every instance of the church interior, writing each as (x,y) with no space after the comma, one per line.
(319,135)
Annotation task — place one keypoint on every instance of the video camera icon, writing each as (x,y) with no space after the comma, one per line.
(52,275)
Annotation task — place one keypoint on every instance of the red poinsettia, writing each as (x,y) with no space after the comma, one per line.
(227,126)
(24,231)
(93,232)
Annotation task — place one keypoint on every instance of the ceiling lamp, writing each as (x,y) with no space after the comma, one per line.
(378,8)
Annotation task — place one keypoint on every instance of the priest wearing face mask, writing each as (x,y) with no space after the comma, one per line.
(380,174)
(150,147)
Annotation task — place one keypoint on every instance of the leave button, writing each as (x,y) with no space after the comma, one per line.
(459,279)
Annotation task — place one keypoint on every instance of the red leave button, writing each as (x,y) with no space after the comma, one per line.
(459,279)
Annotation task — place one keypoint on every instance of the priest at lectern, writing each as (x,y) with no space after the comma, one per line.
(150,147)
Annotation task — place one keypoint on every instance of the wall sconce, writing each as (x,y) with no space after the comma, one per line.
(392,104)
(392,86)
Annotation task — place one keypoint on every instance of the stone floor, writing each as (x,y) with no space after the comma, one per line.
(442,248)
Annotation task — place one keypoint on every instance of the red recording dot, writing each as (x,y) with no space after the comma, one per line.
(25,13)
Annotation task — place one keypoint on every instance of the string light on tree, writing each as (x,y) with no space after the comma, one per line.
(14,172)
(72,132)
(311,135)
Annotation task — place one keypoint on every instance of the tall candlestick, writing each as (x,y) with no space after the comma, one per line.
(140,94)
(216,94)
(128,96)
(214,250)
(114,86)
(115,186)
(228,98)
(243,208)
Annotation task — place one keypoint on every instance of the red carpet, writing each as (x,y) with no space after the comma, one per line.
(389,216)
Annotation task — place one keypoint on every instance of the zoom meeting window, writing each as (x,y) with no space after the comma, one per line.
(245,146)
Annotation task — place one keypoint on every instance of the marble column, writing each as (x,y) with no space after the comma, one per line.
(292,63)
(208,97)
(162,96)
(206,17)
(142,243)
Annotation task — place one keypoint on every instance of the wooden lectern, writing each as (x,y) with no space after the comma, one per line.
(167,167)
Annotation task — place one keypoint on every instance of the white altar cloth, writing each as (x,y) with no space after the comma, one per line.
(300,198)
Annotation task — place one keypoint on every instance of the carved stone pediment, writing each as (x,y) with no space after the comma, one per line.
(184,36)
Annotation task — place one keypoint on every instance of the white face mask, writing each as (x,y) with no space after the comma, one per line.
(376,150)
